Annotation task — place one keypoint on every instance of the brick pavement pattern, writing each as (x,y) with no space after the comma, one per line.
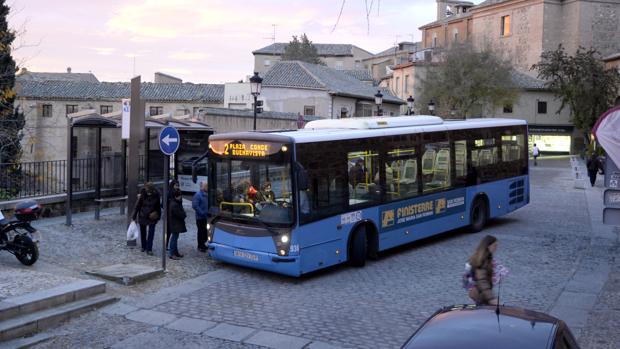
(545,245)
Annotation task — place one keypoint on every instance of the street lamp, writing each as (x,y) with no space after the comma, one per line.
(255,85)
(431,107)
(452,113)
(378,102)
(410,101)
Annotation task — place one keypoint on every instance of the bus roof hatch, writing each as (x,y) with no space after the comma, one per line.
(374,122)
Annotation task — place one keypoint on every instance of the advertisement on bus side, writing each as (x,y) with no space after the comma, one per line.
(419,210)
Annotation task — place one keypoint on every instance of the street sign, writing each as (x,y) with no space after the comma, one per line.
(125,119)
(169,140)
(611,198)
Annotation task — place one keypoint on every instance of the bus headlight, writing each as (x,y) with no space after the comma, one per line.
(209,232)
(283,243)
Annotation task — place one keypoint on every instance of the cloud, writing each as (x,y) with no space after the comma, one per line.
(188,56)
(103,51)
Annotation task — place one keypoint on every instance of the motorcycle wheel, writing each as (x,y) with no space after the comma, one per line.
(26,251)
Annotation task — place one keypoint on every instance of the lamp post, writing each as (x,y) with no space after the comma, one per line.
(378,102)
(431,107)
(410,101)
(255,86)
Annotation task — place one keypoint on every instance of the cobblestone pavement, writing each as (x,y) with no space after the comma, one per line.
(545,245)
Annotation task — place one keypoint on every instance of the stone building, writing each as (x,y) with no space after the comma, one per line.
(311,89)
(337,56)
(523,29)
(379,65)
(46,104)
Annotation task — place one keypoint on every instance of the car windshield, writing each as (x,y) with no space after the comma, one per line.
(256,189)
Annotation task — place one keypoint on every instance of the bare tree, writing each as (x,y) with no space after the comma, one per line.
(466,80)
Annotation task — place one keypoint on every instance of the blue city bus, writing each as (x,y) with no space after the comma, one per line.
(342,190)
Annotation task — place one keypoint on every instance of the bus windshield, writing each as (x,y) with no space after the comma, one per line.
(253,189)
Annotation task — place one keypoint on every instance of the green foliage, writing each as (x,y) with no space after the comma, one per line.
(581,82)
(11,120)
(303,50)
(466,80)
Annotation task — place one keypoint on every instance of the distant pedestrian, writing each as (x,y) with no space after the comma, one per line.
(176,217)
(535,153)
(482,265)
(593,167)
(172,188)
(147,213)
(200,205)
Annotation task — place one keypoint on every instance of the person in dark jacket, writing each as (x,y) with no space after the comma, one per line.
(172,188)
(147,213)
(176,217)
(593,167)
(482,264)
(200,205)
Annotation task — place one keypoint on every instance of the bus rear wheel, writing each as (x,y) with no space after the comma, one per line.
(358,248)
(478,215)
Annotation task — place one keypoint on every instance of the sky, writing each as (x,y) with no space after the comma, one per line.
(200,41)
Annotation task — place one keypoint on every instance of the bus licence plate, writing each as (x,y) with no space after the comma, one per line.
(245,255)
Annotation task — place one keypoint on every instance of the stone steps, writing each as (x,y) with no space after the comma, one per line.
(31,313)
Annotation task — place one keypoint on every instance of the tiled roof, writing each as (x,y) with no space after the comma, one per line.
(250,114)
(81,90)
(359,74)
(296,74)
(524,81)
(448,19)
(42,76)
(323,49)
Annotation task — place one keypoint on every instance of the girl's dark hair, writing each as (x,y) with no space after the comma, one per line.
(482,251)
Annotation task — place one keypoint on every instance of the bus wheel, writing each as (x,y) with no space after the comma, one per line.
(358,247)
(478,215)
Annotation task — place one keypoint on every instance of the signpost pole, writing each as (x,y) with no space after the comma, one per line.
(165,220)
(169,141)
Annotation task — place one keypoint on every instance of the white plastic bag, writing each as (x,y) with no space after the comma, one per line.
(133,231)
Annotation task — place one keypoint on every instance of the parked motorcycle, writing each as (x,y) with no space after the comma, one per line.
(17,236)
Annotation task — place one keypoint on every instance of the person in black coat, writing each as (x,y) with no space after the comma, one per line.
(172,188)
(593,167)
(147,213)
(176,217)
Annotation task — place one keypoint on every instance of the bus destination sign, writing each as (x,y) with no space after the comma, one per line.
(246,148)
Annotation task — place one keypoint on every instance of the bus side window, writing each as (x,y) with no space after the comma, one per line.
(438,177)
(363,182)
(460,156)
(401,174)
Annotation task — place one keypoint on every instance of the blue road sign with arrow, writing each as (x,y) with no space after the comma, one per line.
(169,140)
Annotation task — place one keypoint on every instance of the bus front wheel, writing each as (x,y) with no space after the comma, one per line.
(478,215)
(358,247)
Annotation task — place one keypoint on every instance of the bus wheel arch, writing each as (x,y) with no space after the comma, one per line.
(363,243)
(479,212)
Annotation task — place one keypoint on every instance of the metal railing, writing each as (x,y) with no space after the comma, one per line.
(44,178)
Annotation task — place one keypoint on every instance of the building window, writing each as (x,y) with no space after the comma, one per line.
(267,62)
(406,83)
(456,35)
(508,108)
(156,111)
(397,85)
(308,110)
(72,108)
(505,25)
(195,112)
(46,110)
(542,107)
(104,109)
(339,64)
(434,40)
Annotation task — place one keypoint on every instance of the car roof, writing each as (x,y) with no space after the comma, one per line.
(470,326)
